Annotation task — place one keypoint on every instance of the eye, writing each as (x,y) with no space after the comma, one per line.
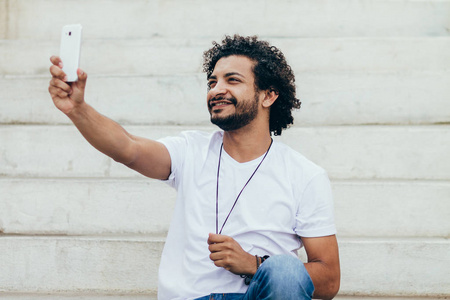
(211,84)
(232,79)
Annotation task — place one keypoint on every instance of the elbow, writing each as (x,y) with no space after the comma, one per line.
(128,161)
(332,289)
(122,157)
(126,157)
(327,287)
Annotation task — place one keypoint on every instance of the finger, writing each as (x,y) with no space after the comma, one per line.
(211,238)
(219,263)
(58,73)
(214,248)
(216,238)
(82,77)
(216,256)
(222,264)
(56,60)
(61,94)
(57,83)
(58,92)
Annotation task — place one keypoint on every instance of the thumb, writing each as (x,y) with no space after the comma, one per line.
(211,238)
(216,238)
(82,77)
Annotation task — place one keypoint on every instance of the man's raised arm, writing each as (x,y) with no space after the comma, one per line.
(147,157)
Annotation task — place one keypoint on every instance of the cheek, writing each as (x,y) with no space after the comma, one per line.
(209,95)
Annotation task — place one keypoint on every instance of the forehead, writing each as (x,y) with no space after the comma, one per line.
(234,64)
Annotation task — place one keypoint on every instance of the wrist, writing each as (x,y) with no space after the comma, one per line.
(253,264)
(78,112)
(258,261)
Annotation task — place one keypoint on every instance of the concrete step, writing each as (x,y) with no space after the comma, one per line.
(79,264)
(362,152)
(85,206)
(327,99)
(163,56)
(392,208)
(393,267)
(140,206)
(378,267)
(141,18)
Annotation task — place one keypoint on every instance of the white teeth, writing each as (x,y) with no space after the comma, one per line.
(220,103)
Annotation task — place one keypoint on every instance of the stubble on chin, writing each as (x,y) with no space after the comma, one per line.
(244,113)
(234,121)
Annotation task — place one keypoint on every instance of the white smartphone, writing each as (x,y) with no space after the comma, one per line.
(70,50)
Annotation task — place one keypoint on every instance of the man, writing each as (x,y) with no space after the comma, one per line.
(245,203)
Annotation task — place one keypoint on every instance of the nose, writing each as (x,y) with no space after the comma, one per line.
(219,89)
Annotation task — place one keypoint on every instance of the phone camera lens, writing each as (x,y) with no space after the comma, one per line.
(70,33)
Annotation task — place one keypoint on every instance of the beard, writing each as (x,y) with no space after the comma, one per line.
(245,112)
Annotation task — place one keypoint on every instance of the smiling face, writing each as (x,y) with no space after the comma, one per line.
(233,99)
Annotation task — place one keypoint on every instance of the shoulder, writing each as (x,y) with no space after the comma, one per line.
(192,145)
(296,163)
(201,137)
(192,138)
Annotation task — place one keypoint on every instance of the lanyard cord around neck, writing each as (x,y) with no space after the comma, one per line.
(237,198)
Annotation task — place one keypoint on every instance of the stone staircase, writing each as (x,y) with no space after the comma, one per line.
(374,79)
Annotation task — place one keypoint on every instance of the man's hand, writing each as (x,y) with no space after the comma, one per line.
(66,96)
(228,254)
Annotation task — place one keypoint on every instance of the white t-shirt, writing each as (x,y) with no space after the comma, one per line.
(289,196)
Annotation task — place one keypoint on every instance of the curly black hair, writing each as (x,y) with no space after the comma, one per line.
(271,72)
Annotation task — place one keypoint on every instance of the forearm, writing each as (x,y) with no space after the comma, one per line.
(103,133)
(326,279)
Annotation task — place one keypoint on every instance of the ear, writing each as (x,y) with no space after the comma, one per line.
(270,95)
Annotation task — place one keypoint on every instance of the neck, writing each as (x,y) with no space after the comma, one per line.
(246,144)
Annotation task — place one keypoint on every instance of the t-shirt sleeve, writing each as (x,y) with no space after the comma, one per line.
(177,146)
(315,214)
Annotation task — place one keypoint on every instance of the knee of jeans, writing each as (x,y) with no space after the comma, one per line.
(281,267)
(282,262)
(283,272)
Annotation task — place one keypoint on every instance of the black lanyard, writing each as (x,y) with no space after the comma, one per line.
(237,198)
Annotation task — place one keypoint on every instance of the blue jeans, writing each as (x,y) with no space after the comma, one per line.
(279,277)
